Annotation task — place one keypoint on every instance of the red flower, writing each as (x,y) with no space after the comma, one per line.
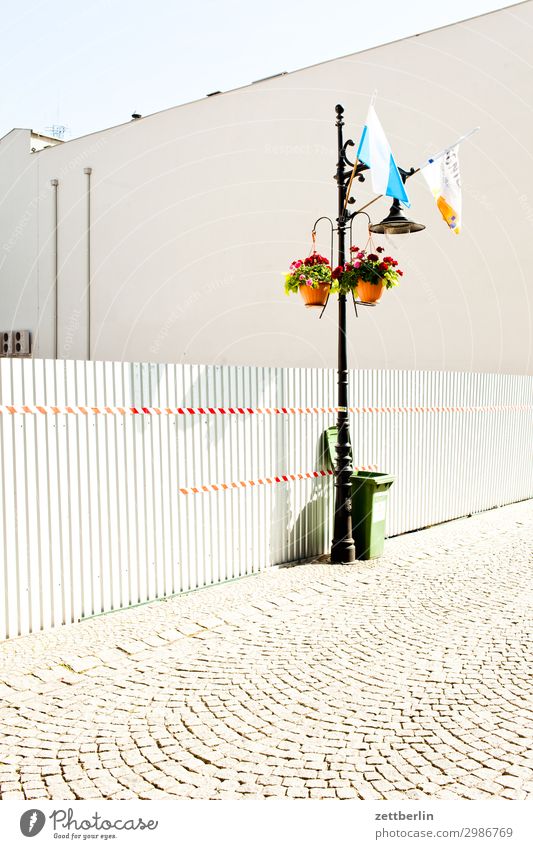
(316,259)
(337,272)
(380,250)
(354,249)
(383,266)
(400,272)
(373,257)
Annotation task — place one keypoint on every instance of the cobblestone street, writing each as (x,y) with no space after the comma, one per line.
(406,677)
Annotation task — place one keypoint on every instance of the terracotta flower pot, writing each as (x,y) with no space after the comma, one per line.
(369,292)
(315,297)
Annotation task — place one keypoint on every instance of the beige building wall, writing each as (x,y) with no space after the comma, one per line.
(197,212)
(19,246)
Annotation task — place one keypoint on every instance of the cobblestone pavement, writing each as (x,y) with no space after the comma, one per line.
(406,677)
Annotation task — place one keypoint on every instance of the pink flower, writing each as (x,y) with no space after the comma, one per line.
(309,282)
(301,277)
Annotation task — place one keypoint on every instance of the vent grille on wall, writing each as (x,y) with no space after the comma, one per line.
(15,343)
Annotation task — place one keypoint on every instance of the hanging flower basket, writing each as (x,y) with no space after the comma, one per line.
(311,277)
(366,275)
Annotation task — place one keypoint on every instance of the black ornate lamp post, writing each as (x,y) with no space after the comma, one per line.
(342,547)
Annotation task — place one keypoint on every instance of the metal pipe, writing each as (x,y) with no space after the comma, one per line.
(88,172)
(55,183)
(342,546)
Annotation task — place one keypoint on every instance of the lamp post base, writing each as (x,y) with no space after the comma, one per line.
(343,552)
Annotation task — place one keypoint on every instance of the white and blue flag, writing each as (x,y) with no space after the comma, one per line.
(374,151)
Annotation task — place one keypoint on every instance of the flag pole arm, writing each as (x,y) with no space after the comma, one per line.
(449,147)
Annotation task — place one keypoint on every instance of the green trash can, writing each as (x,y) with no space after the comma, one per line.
(369,512)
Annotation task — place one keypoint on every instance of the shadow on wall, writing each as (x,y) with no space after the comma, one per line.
(307,535)
(292,536)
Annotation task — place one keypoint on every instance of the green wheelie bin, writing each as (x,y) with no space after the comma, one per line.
(369,512)
(369,504)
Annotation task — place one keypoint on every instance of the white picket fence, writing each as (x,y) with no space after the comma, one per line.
(126,482)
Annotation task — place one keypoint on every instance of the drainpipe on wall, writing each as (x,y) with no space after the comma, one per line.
(88,172)
(54,183)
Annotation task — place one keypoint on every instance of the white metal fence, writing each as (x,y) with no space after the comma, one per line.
(125,482)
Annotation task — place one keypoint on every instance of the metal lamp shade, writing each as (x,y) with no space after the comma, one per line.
(396,223)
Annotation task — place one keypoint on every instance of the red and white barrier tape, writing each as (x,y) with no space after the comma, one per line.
(161,411)
(47,409)
(223,487)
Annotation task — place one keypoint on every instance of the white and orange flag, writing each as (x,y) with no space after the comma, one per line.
(444,180)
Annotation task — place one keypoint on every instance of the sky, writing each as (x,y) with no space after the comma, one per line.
(88,64)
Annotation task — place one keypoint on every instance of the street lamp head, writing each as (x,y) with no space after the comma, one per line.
(396,223)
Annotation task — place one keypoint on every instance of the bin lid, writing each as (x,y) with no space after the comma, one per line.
(377,478)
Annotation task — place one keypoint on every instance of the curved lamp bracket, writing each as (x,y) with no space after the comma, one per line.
(345,159)
(313,234)
(352,216)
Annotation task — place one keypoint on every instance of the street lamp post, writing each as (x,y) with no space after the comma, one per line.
(342,546)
